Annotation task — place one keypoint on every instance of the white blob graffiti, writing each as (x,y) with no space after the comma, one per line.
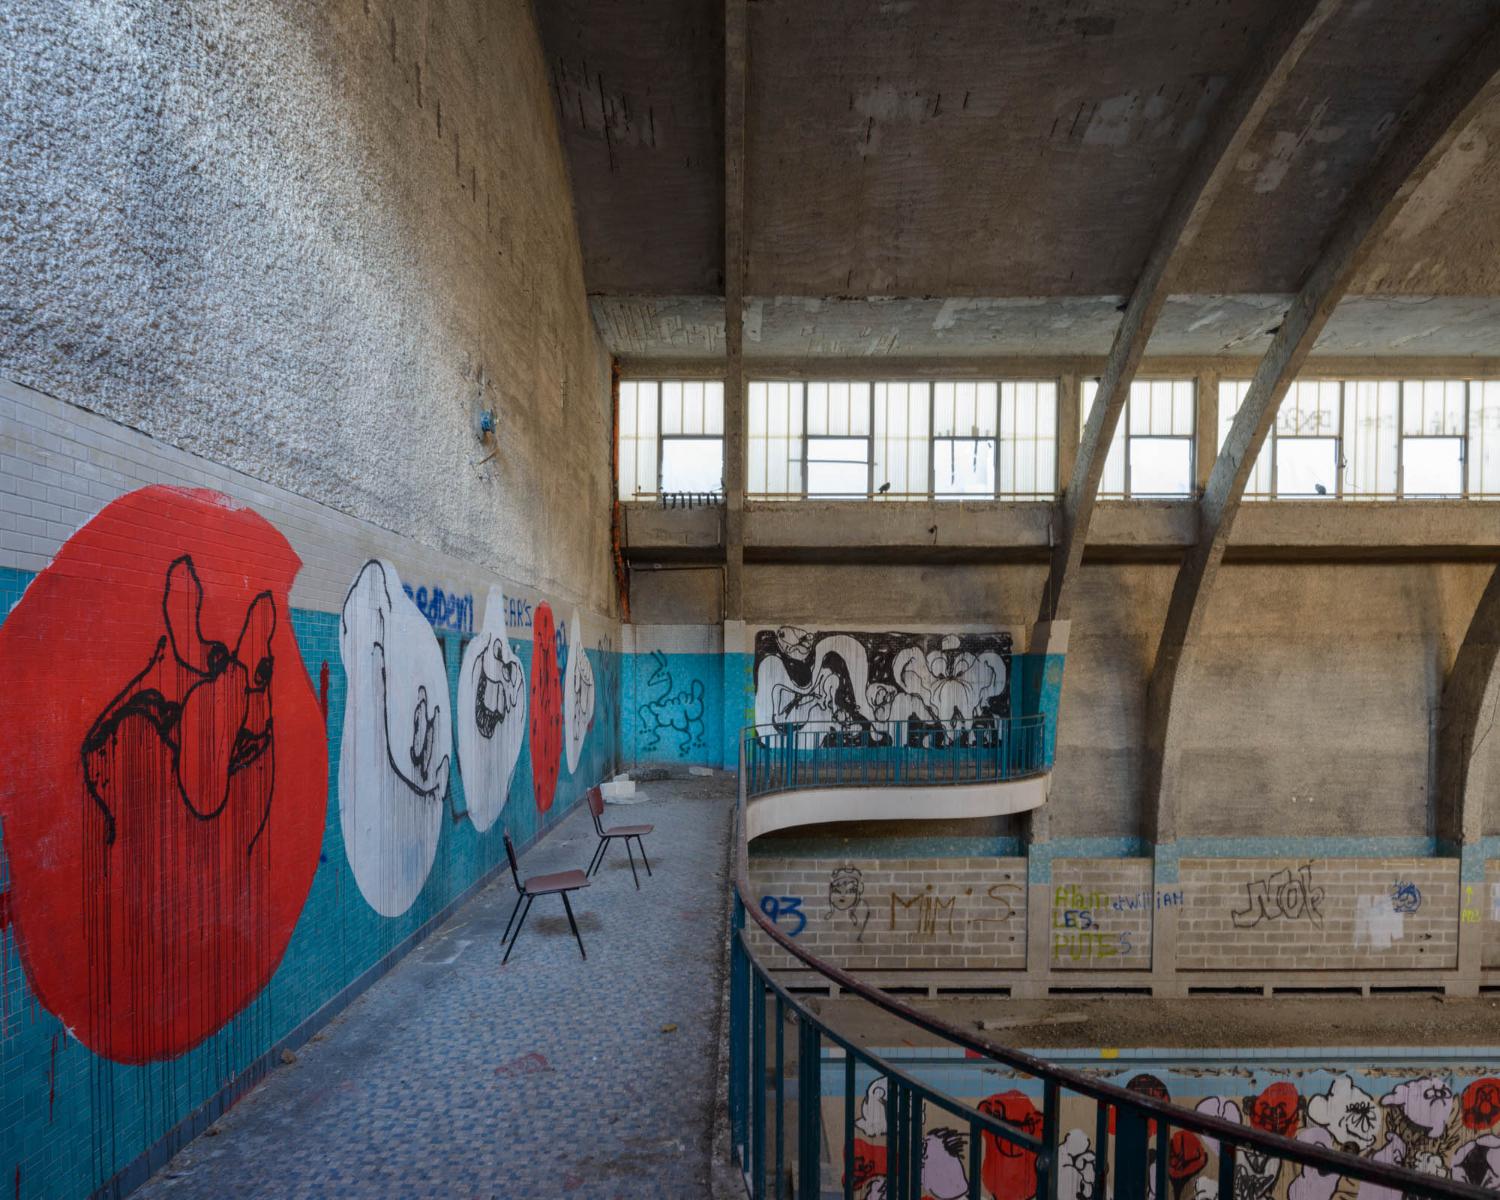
(491,717)
(397,741)
(578,694)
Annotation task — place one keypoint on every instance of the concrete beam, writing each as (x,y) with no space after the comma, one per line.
(736,51)
(1418,146)
(1246,103)
(1460,789)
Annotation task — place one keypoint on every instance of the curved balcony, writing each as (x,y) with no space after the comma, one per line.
(811,773)
(790,1137)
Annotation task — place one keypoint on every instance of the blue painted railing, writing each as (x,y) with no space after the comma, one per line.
(790,757)
(1128,1126)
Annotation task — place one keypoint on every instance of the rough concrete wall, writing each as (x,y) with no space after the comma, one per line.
(1318,914)
(1310,709)
(312,241)
(897,914)
(676,597)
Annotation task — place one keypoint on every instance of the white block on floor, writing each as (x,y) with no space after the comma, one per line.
(620,791)
(700,771)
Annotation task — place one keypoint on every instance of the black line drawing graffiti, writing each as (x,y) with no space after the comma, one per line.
(397,739)
(578,694)
(491,717)
(671,710)
(498,684)
(846,895)
(944,688)
(209,706)
(1281,897)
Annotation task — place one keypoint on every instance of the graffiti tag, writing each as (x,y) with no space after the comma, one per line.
(1281,896)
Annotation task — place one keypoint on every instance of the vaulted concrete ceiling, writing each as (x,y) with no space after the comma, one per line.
(980,177)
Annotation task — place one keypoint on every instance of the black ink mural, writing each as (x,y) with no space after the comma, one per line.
(933,689)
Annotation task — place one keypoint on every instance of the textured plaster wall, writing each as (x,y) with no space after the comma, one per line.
(311,241)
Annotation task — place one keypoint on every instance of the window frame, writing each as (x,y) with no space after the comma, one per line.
(804,436)
(1341,491)
(658,382)
(1124,436)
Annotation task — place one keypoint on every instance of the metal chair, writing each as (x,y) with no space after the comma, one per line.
(559,883)
(623,832)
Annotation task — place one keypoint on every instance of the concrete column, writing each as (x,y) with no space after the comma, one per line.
(1069,396)
(1207,429)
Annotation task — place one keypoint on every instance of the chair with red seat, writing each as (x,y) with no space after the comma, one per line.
(560,883)
(623,832)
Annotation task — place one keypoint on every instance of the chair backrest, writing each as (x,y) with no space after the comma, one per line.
(596,808)
(515,871)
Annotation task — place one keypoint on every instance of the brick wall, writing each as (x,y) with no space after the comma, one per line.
(1318,914)
(899,914)
(1101,914)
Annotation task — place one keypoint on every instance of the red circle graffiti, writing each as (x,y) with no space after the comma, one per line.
(165,779)
(546,708)
(1009,1170)
(1480,1103)
(1276,1110)
(1185,1155)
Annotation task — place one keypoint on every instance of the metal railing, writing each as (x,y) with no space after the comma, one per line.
(1128,1125)
(819,754)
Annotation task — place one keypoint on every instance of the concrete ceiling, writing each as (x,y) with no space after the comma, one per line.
(986,178)
(785,327)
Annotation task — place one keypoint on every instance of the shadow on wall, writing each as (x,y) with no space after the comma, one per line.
(201,848)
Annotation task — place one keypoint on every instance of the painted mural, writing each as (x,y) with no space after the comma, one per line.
(397,740)
(546,708)
(163,797)
(491,715)
(578,694)
(941,687)
(1440,1124)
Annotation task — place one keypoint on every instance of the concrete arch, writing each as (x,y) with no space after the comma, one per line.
(1244,107)
(1419,144)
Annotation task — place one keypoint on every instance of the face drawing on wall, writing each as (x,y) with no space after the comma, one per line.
(578,694)
(846,898)
(491,717)
(393,769)
(1425,1103)
(164,804)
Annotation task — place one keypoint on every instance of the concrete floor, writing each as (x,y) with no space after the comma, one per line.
(549,1077)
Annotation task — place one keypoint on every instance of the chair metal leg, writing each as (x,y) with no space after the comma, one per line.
(631,852)
(574,924)
(598,859)
(505,937)
(644,859)
(519,927)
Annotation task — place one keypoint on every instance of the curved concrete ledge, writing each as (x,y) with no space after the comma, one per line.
(816,806)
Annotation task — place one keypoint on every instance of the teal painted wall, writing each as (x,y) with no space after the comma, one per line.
(672,708)
(71,1120)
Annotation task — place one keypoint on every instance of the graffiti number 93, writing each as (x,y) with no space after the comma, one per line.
(776,907)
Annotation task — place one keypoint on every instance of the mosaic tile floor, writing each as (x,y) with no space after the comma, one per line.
(549,1077)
